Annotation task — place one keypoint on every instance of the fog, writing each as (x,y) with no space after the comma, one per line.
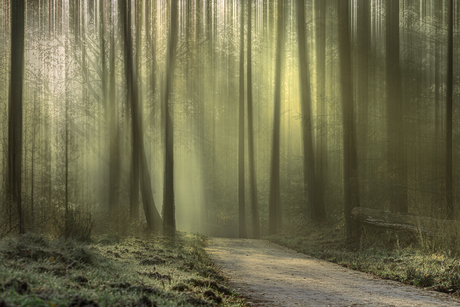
(135,114)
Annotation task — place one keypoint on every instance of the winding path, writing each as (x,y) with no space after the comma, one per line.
(271,275)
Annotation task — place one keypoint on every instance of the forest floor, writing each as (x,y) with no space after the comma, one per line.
(271,275)
(110,271)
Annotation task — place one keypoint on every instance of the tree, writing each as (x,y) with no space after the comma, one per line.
(363,82)
(139,162)
(350,169)
(130,75)
(169,220)
(274,206)
(450,69)
(321,119)
(396,132)
(252,163)
(315,205)
(67,229)
(241,196)
(114,131)
(14,181)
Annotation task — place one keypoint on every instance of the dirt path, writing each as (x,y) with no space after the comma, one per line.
(271,275)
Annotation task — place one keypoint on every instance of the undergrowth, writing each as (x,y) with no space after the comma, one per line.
(408,258)
(111,271)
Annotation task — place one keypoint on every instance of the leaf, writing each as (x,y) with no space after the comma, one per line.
(51,259)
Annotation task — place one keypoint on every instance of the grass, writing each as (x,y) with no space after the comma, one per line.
(390,255)
(111,271)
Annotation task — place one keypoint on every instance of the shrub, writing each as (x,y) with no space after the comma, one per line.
(74,224)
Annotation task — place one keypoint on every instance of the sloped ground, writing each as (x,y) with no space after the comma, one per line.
(271,275)
(144,272)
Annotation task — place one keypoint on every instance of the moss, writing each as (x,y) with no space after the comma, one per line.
(66,272)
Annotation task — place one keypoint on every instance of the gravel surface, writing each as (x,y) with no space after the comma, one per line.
(271,275)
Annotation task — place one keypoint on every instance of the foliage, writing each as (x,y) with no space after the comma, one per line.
(74,224)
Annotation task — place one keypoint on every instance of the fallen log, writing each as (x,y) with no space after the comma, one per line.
(404,222)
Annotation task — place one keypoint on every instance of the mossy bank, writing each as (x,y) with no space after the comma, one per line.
(110,271)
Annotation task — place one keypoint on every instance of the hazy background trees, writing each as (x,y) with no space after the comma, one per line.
(190,108)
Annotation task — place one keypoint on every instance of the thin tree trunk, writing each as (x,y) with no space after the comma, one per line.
(32,185)
(321,134)
(130,74)
(274,206)
(15,109)
(363,88)
(316,209)
(252,163)
(351,188)
(66,166)
(169,220)
(114,131)
(66,200)
(449,95)
(138,155)
(241,196)
(396,131)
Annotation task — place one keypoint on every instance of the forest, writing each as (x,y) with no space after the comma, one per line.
(241,119)
(224,118)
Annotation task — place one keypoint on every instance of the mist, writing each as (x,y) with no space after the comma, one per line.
(183,115)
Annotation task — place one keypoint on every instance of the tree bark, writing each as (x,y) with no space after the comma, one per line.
(315,210)
(351,188)
(274,206)
(363,88)
(321,134)
(449,94)
(114,131)
(169,220)
(396,131)
(241,195)
(15,109)
(139,163)
(252,162)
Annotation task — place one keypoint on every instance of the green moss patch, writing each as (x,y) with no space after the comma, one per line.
(151,271)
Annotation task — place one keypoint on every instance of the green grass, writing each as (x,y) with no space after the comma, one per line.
(390,255)
(152,271)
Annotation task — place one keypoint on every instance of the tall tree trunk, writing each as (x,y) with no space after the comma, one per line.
(449,95)
(396,131)
(169,219)
(315,207)
(241,196)
(32,175)
(274,206)
(321,134)
(67,229)
(15,109)
(138,155)
(130,75)
(114,131)
(252,163)
(351,188)
(145,179)
(363,82)
(66,182)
